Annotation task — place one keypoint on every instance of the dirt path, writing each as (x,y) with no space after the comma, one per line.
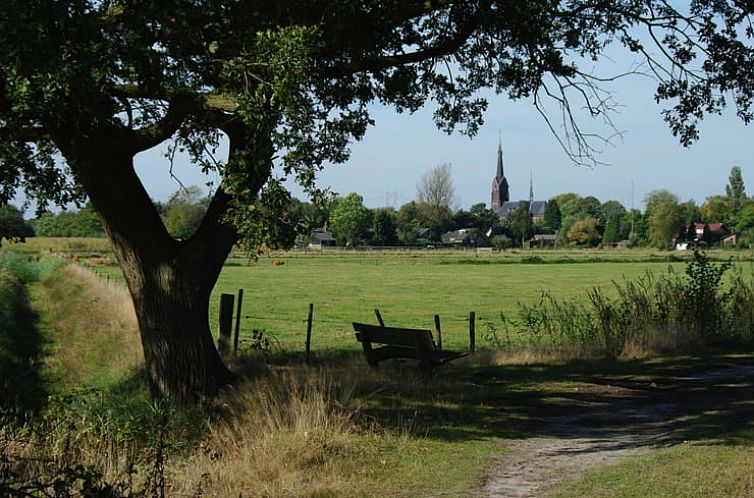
(605,423)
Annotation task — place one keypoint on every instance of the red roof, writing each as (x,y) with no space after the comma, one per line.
(713,227)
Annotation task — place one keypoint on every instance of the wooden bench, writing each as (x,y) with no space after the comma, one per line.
(414,344)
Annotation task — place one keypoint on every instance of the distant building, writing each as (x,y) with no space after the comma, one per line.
(536,210)
(500,202)
(541,240)
(732,239)
(500,193)
(321,237)
(703,235)
(468,237)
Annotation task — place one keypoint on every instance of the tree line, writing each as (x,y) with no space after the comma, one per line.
(582,221)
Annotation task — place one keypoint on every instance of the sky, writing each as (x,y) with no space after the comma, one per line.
(387,164)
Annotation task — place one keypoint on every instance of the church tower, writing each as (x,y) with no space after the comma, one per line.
(500,192)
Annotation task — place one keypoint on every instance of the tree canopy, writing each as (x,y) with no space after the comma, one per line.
(88,84)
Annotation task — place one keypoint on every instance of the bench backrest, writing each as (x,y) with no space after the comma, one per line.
(411,338)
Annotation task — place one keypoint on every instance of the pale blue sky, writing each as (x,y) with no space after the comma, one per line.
(386,166)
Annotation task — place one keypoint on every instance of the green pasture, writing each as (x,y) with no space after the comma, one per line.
(407,289)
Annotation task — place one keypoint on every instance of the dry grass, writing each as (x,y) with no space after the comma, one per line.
(290,434)
(650,343)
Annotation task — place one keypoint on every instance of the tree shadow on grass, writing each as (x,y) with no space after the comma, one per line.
(598,399)
(23,390)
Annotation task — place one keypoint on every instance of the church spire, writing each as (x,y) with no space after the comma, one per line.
(500,173)
(500,193)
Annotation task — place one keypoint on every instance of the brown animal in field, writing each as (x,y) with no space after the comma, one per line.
(278,262)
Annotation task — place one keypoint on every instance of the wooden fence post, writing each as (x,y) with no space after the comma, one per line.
(238,321)
(225,323)
(379,317)
(472,331)
(439,331)
(309,329)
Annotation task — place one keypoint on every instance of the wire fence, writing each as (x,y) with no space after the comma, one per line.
(308,332)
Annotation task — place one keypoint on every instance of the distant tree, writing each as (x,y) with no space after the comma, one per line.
(435,194)
(12,224)
(408,223)
(520,223)
(745,225)
(350,220)
(501,242)
(716,209)
(735,192)
(612,230)
(436,187)
(691,213)
(584,232)
(438,219)
(483,218)
(637,228)
(570,206)
(82,223)
(384,227)
(552,217)
(589,206)
(478,216)
(563,199)
(690,234)
(312,215)
(665,218)
(746,218)
(706,234)
(611,209)
(184,212)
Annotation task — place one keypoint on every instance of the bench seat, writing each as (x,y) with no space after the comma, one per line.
(413,344)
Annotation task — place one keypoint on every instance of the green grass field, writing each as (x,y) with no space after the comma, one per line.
(408,289)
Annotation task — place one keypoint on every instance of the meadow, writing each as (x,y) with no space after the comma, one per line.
(410,288)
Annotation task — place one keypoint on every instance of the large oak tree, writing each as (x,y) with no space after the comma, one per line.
(86,85)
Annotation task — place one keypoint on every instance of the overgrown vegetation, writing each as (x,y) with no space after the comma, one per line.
(666,313)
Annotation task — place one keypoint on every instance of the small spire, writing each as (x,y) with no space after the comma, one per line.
(531,187)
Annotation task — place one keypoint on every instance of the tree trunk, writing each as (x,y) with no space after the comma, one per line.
(179,352)
(170,281)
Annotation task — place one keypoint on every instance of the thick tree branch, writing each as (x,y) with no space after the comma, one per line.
(180,106)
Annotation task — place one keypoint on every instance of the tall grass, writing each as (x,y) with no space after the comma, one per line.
(656,314)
